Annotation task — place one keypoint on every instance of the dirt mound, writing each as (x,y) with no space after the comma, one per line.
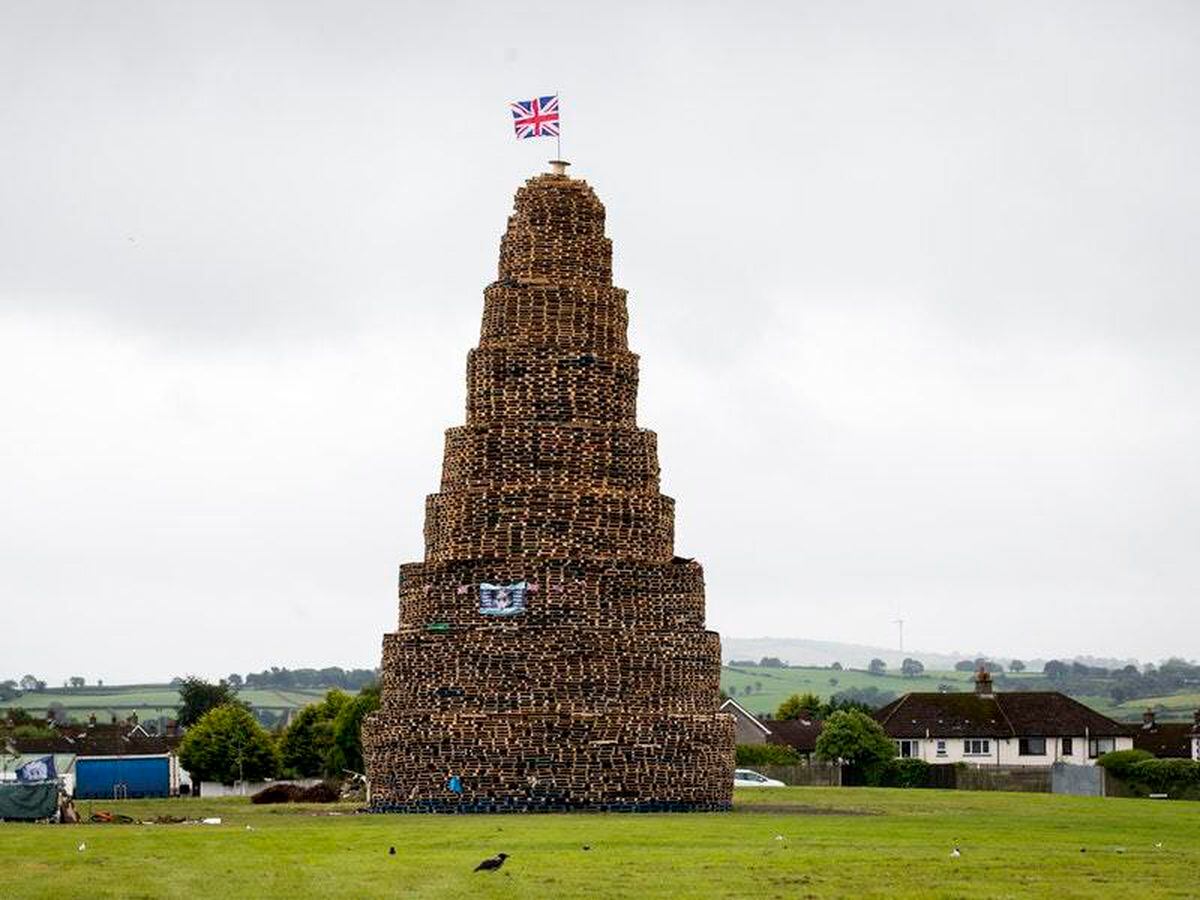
(294,793)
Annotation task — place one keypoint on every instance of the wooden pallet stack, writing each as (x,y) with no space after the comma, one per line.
(602,692)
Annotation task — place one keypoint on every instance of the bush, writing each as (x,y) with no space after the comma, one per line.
(1168,776)
(767,755)
(854,737)
(1120,762)
(901,773)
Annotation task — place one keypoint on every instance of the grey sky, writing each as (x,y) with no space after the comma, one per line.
(913,285)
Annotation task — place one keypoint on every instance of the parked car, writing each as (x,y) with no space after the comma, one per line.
(750,778)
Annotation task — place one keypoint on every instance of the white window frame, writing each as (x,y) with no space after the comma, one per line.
(983,746)
(1026,740)
(941,748)
(1094,750)
(913,746)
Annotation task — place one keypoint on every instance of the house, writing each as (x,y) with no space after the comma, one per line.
(747,727)
(1009,728)
(1166,740)
(114,761)
(799,734)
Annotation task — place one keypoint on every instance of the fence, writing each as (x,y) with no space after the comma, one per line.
(1062,778)
(1030,779)
(813,774)
(1081,781)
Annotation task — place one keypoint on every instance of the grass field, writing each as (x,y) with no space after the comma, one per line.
(836,842)
(779,684)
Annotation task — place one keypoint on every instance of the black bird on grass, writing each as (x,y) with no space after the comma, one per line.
(494,862)
(391,851)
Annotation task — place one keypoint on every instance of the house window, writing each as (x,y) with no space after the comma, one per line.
(1100,746)
(1068,746)
(977,747)
(907,749)
(941,748)
(1031,747)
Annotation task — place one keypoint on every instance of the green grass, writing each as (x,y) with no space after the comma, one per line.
(858,842)
(149,700)
(779,684)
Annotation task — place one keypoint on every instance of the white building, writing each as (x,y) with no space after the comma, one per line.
(1009,728)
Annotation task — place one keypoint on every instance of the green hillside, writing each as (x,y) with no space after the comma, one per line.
(149,701)
(761,690)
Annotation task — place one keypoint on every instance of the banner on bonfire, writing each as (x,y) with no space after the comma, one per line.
(502,599)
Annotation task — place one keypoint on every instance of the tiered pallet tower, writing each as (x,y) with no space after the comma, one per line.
(602,694)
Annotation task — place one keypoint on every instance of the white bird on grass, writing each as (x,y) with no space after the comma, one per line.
(955,854)
(82,847)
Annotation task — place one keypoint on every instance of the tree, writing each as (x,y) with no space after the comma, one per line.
(235,680)
(772,662)
(1016,665)
(346,753)
(799,706)
(877,667)
(965,665)
(197,696)
(758,687)
(306,744)
(226,744)
(864,699)
(1056,670)
(77,681)
(31,683)
(911,668)
(837,667)
(855,738)
(833,682)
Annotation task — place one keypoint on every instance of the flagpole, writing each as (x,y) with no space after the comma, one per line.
(558,137)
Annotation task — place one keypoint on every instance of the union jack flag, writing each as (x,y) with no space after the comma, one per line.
(535,118)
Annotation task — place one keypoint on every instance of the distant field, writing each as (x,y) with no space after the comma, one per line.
(147,700)
(779,684)
(1184,702)
(787,842)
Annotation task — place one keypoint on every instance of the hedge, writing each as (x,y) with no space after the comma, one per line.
(1177,778)
(1120,762)
(902,773)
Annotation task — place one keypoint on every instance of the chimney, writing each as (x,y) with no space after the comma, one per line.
(558,166)
(133,718)
(172,728)
(983,682)
(1148,718)
(1196,718)
(92,721)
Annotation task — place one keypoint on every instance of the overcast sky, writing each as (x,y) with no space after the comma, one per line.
(914,287)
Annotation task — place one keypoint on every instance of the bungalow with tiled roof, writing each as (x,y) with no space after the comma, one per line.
(1009,728)
(1168,740)
(113,761)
